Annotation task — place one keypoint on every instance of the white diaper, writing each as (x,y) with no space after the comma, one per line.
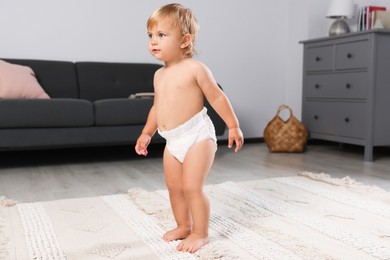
(180,139)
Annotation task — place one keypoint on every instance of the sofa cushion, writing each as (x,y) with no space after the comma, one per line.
(58,78)
(122,111)
(30,113)
(17,81)
(101,80)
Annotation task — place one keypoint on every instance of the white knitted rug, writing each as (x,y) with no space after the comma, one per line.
(311,216)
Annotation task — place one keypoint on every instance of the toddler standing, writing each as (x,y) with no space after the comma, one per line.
(179,115)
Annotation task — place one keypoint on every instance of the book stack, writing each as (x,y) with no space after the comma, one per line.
(373,17)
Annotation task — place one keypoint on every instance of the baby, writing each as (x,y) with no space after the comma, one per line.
(179,115)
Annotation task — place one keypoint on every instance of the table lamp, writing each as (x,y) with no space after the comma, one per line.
(340,10)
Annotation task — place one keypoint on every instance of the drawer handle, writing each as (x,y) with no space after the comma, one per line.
(347,120)
(348,86)
(317,86)
(318,59)
(349,55)
(315,117)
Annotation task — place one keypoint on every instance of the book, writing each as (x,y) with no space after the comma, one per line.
(364,15)
(368,16)
(360,20)
(381,20)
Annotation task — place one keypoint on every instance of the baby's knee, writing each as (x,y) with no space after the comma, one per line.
(173,187)
(191,191)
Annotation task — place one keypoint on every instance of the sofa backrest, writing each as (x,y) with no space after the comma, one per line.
(58,78)
(102,80)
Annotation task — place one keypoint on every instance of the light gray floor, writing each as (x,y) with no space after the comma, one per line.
(59,174)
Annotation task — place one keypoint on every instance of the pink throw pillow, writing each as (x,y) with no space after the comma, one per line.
(17,81)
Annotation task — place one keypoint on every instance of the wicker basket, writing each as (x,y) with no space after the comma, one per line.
(285,136)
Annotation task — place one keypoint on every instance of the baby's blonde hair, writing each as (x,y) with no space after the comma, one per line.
(181,17)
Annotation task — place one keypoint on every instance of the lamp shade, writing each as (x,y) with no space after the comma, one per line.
(340,8)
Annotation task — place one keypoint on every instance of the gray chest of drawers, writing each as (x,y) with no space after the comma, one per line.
(346,89)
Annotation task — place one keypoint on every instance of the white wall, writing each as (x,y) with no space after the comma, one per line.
(251,46)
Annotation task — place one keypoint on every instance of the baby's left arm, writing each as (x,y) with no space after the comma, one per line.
(219,101)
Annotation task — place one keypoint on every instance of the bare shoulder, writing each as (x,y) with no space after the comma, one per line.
(198,65)
(200,69)
(158,72)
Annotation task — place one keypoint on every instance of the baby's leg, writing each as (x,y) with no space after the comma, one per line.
(173,178)
(196,167)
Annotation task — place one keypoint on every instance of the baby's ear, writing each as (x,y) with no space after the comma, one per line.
(186,41)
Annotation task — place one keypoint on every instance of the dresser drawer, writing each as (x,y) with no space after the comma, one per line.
(345,85)
(352,55)
(334,118)
(319,58)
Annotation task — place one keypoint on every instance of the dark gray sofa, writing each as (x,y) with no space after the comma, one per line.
(89,106)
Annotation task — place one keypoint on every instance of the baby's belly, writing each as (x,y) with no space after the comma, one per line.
(168,119)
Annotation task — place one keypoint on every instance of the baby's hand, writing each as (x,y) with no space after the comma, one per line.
(142,144)
(236,136)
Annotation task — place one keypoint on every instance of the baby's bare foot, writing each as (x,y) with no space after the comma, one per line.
(177,233)
(193,243)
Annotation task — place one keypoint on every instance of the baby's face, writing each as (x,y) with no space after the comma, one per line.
(165,41)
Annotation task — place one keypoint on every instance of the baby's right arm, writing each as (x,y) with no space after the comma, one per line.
(149,130)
